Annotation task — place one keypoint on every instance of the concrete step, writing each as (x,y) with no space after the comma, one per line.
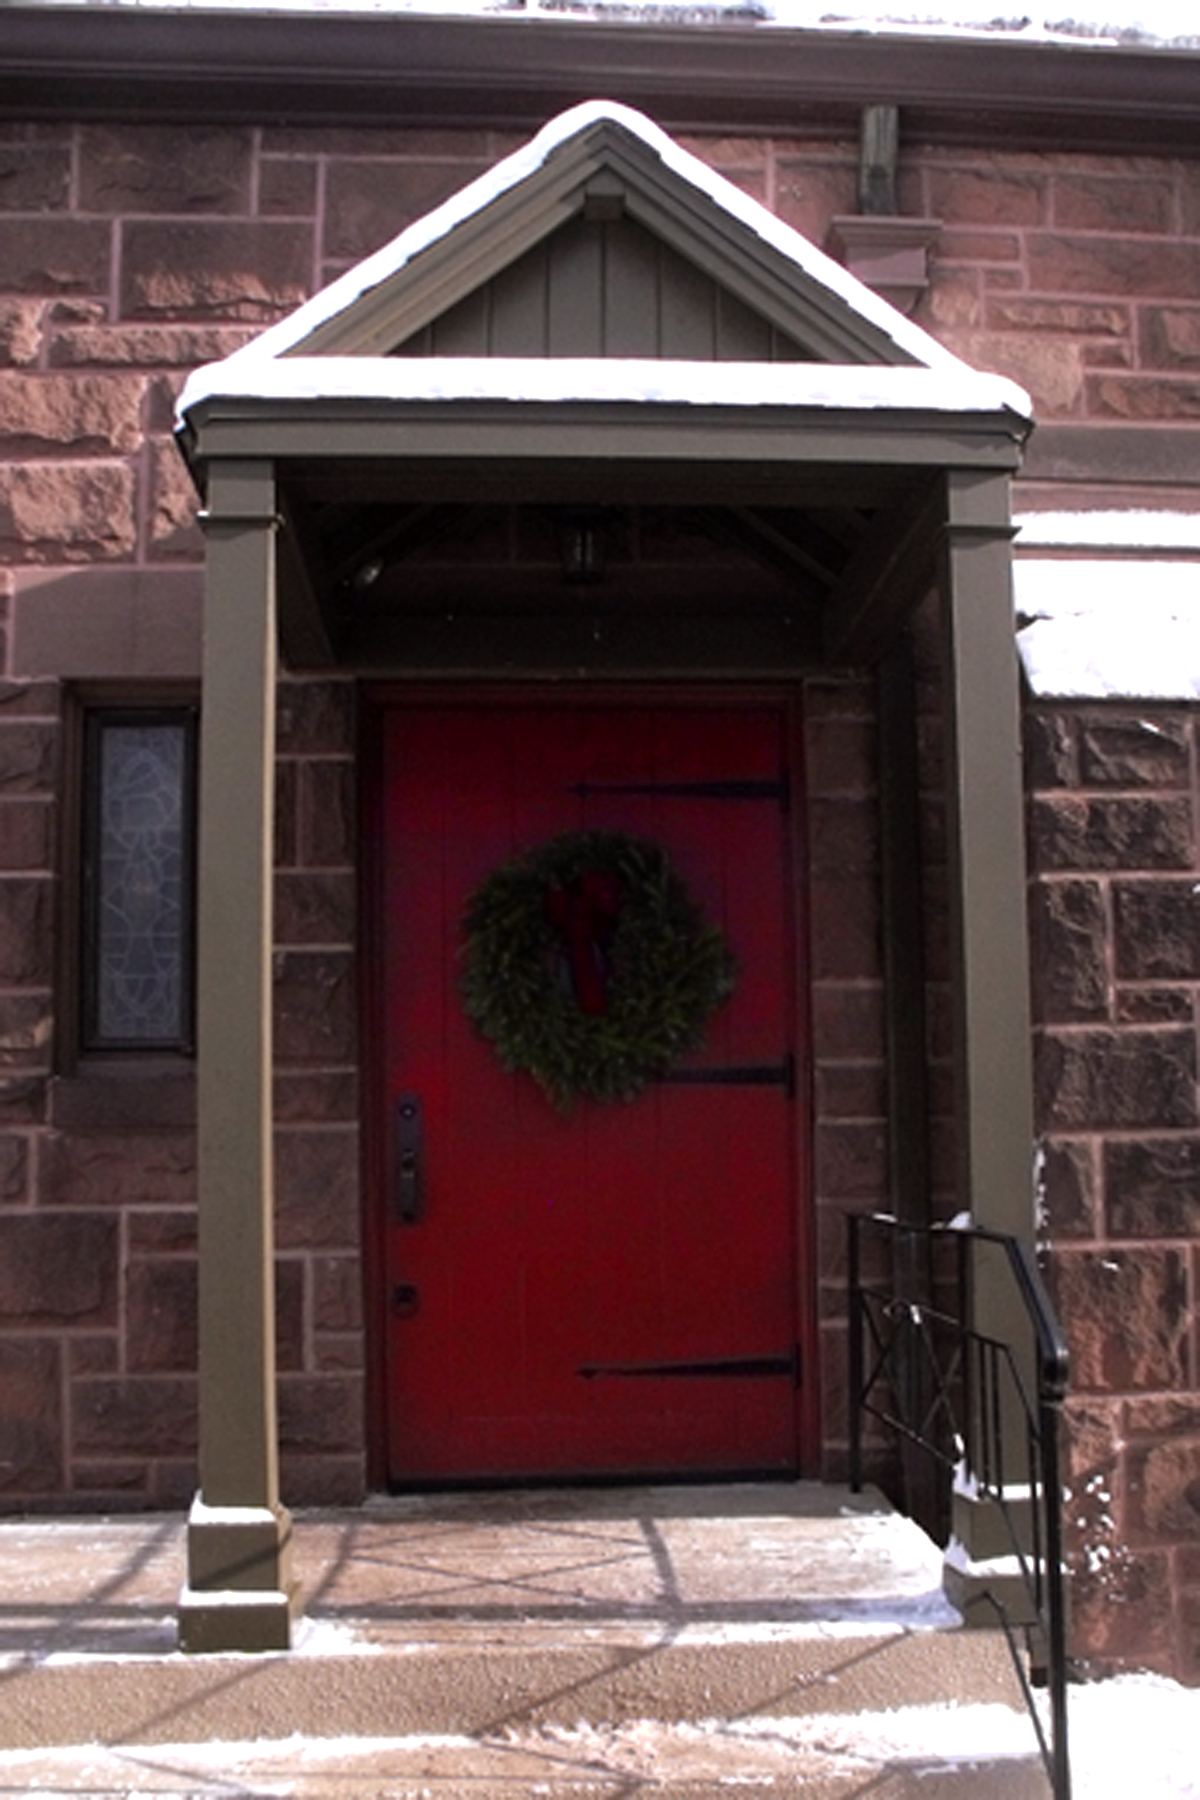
(783,1639)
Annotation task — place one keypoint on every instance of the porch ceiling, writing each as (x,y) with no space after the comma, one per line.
(466,568)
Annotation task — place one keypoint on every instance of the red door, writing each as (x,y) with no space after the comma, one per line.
(612,1291)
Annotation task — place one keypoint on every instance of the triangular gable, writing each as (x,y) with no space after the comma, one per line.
(603,161)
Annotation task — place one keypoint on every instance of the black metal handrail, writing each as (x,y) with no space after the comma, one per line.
(959,1397)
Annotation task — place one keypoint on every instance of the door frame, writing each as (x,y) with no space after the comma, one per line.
(378,699)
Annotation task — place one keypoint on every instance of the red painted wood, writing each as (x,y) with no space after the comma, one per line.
(662,1230)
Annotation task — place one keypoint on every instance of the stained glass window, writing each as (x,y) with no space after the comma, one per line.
(138,879)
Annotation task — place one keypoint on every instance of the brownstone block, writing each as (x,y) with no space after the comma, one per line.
(123,1478)
(56,256)
(847,1020)
(316,1097)
(808,195)
(316,1188)
(1074,318)
(313,907)
(1164,1490)
(1121,1609)
(287,186)
(174,505)
(27,756)
(1051,751)
(47,414)
(146,1415)
(314,1007)
(327,824)
(290,1336)
(164,169)
(1115,266)
(160,1316)
(1157,930)
(118,1170)
(1127,1317)
(31,1447)
(1068,1189)
(333,1355)
(1169,337)
(1152,1187)
(58,1270)
(850,698)
(1141,751)
(850,1090)
(323,1480)
(844,928)
(1113,203)
(990,192)
(843,836)
(20,332)
(1156,1416)
(286,779)
(1068,832)
(315,718)
(337,1293)
(977,247)
(104,346)
(1143,397)
(1089,1080)
(26,1033)
(1068,926)
(94,1355)
(367,203)
(26,924)
(1093,1434)
(26,833)
(1154,1006)
(162,1233)
(68,512)
(840,757)
(205,269)
(320,1414)
(851,1159)
(34,178)
(14,1168)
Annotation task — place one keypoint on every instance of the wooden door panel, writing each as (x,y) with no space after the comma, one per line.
(658,1231)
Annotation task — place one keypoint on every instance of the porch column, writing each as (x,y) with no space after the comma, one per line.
(990,971)
(239,1588)
(985,809)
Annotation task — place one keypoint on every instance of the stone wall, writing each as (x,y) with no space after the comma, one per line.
(130,255)
(1113,813)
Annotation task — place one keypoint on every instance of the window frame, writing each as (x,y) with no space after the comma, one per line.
(88,712)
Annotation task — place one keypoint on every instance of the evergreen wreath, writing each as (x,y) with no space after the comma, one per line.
(588,965)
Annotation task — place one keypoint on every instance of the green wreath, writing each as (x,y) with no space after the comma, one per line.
(588,965)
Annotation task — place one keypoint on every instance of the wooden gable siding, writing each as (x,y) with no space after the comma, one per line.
(604,288)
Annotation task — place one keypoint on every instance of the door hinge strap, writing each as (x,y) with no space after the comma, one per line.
(719,1367)
(777,789)
(780,1074)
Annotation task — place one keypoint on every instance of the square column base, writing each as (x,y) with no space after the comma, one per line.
(240,1592)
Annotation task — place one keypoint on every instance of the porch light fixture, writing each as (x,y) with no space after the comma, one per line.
(581,545)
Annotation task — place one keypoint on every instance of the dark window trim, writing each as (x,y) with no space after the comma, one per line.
(85,707)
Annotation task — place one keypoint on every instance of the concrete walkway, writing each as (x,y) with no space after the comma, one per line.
(780,1638)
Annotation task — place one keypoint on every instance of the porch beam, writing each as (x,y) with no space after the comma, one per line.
(892,564)
(239,1590)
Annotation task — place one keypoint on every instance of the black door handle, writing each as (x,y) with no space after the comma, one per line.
(410,1173)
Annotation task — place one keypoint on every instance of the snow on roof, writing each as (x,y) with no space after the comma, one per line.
(611,381)
(1122,22)
(290,333)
